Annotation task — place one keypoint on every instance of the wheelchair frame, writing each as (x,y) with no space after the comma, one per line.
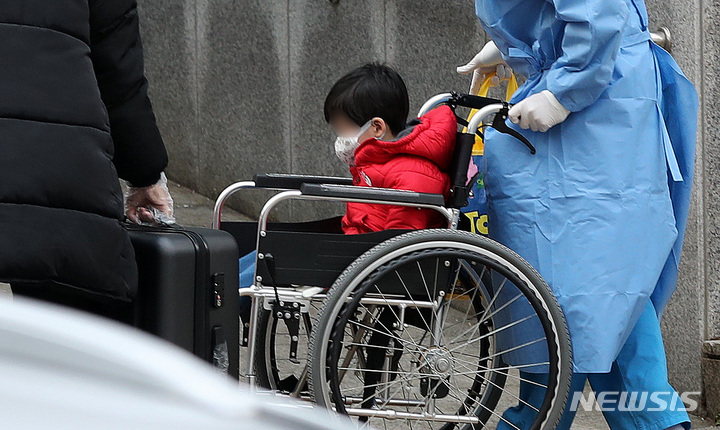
(345,193)
(337,189)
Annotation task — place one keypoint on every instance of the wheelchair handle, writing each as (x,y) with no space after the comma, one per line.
(482,113)
(485,107)
(501,113)
(222,198)
(435,101)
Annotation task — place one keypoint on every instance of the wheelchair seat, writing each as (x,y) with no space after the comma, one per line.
(309,253)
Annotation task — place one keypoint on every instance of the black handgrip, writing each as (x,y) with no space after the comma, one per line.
(478,102)
(473,102)
(500,125)
(294,182)
(370,193)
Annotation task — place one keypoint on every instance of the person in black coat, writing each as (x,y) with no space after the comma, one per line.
(75,115)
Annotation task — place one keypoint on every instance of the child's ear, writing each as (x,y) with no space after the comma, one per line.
(379,127)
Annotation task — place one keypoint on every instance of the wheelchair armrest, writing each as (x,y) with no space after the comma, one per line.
(294,182)
(370,193)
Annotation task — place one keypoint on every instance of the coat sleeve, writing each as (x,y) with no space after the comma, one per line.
(403,217)
(590,43)
(117,57)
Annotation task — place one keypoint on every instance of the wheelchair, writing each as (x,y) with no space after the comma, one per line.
(437,328)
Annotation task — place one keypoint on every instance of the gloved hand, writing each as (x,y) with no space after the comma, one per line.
(539,112)
(150,205)
(488,60)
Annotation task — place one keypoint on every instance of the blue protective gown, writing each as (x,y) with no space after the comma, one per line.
(601,209)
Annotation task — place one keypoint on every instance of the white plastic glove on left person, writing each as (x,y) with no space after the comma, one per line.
(539,112)
(150,205)
(487,61)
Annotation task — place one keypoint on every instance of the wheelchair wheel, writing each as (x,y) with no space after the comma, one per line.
(439,329)
(275,367)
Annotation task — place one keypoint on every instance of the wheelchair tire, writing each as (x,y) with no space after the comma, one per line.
(273,368)
(407,364)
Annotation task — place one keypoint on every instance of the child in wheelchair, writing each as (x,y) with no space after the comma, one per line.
(368,109)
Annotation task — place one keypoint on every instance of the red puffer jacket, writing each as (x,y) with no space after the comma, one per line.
(417,161)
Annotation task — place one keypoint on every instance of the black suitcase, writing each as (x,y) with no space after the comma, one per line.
(187,291)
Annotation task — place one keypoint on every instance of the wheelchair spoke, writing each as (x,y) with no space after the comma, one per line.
(473,372)
(467,311)
(385,332)
(492,412)
(390,396)
(492,301)
(458,394)
(492,314)
(358,334)
(498,330)
(397,317)
(521,379)
(512,395)
(422,276)
(515,348)
(411,299)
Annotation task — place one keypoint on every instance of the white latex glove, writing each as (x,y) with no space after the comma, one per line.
(488,60)
(150,205)
(539,112)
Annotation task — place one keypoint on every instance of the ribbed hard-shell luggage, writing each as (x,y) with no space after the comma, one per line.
(187,292)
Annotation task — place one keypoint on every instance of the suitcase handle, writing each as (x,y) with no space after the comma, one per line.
(129,225)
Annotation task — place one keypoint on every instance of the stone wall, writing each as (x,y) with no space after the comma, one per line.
(239,85)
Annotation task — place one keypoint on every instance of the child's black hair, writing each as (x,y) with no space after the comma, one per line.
(372,90)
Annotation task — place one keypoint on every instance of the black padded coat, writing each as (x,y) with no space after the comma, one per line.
(74,114)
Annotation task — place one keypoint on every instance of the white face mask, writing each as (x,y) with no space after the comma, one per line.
(345,146)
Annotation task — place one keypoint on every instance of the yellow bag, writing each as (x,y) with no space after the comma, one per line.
(512,86)
(476,209)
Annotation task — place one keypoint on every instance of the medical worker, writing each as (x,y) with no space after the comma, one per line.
(601,209)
